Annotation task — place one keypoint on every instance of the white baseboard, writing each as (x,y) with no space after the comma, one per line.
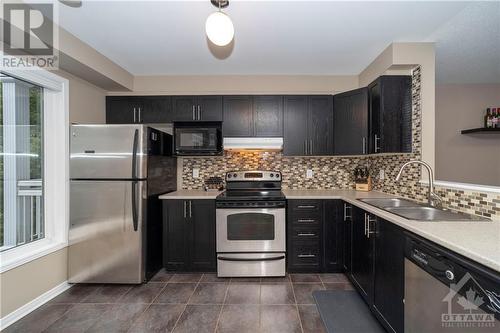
(33,305)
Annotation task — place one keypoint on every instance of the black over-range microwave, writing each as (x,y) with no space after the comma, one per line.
(198,138)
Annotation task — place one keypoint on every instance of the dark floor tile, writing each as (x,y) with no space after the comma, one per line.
(76,293)
(176,293)
(242,318)
(276,293)
(209,293)
(310,319)
(144,293)
(243,293)
(119,318)
(158,318)
(212,277)
(109,293)
(79,318)
(162,276)
(237,280)
(338,286)
(305,278)
(303,292)
(276,279)
(185,278)
(39,319)
(279,318)
(198,319)
(333,278)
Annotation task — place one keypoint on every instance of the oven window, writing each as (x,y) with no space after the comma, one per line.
(250,226)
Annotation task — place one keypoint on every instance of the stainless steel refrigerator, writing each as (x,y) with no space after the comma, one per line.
(117,173)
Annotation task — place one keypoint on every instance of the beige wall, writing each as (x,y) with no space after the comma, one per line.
(26,282)
(466,158)
(242,84)
(22,284)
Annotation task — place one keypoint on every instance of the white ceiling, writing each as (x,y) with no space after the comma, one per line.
(288,37)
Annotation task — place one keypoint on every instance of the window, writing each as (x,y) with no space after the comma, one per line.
(21,147)
(34,165)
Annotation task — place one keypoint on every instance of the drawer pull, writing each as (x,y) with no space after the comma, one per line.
(306,220)
(306,255)
(306,234)
(306,206)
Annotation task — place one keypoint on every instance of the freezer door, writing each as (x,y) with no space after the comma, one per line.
(106,234)
(108,152)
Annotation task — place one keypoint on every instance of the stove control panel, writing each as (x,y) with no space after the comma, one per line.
(251,204)
(253,176)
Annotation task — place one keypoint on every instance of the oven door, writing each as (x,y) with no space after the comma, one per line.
(251,230)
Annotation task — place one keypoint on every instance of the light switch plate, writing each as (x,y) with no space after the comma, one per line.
(196,173)
(381,174)
(309,173)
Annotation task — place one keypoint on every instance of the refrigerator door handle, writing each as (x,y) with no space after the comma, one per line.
(134,206)
(134,154)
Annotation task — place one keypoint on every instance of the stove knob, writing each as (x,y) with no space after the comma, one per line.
(235,175)
(272,175)
(229,176)
(277,175)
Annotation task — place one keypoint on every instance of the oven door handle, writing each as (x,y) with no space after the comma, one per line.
(251,259)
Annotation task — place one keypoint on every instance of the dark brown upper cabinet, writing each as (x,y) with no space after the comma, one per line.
(253,116)
(308,125)
(350,121)
(268,116)
(138,109)
(238,116)
(197,108)
(390,111)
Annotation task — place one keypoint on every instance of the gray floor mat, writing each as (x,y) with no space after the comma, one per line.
(343,311)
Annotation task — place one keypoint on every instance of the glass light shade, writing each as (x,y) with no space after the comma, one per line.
(219,28)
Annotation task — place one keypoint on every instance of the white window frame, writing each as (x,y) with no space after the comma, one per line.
(56,169)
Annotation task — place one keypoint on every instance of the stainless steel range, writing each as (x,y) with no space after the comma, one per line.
(251,225)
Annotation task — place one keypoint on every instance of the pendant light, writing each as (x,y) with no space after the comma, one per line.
(219,27)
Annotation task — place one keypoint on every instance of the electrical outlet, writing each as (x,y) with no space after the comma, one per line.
(196,173)
(309,173)
(381,174)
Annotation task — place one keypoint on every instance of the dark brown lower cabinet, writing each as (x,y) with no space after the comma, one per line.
(314,233)
(189,235)
(377,265)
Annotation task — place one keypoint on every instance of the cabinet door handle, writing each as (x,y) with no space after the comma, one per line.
(303,234)
(190,208)
(311,147)
(134,115)
(365,224)
(306,206)
(368,231)
(376,143)
(346,207)
(199,112)
(364,145)
(194,115)
(305,147)
(140,116)
(185,208)
(306,255)
(306,220)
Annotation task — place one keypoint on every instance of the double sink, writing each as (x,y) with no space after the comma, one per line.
(416,211)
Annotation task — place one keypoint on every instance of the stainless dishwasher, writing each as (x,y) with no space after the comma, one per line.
(445,292)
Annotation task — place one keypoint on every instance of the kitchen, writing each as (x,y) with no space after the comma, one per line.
(228,195)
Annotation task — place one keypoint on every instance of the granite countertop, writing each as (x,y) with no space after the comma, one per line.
(478,241)
(190,194)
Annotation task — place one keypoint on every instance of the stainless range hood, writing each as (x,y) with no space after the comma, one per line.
(267,144)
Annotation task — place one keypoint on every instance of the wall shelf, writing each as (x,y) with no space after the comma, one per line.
(481,130)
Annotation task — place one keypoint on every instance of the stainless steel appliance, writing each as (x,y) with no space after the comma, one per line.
(198,138)
(445,292)
(250,225)
(117,173)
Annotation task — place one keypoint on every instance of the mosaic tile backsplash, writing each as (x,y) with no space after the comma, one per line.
(335,172)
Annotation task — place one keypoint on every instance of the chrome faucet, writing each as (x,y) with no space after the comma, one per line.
(433,199)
